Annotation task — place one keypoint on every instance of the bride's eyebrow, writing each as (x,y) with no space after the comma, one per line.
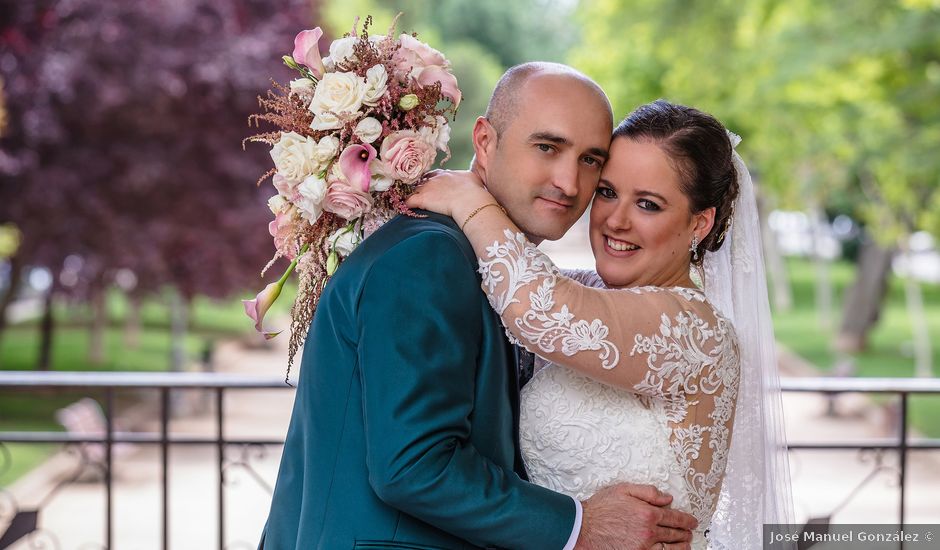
(642,193)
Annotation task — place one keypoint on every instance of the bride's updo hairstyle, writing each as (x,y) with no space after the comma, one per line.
(700,149)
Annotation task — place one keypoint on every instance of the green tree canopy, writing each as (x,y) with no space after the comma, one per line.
(833,99)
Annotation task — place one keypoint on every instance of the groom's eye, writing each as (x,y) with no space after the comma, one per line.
(593,162)
(544,147)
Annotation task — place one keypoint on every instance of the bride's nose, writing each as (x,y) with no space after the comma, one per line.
(619,218)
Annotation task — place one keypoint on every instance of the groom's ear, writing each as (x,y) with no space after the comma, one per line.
(484,144)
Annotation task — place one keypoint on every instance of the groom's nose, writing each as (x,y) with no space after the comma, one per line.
(565,178)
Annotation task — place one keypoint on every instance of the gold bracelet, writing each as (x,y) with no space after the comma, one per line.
(477,211)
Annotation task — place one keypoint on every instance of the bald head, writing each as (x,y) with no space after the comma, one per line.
(504,104)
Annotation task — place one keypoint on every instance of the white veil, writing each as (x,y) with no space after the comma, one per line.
(756,488)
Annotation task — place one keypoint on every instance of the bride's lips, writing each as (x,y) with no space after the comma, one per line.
(624,249)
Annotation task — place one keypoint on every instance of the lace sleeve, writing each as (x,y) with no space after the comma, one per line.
(669,346)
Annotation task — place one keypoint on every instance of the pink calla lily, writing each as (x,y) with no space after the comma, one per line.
(257,308)
(307,51)
(354,164)
(449,89)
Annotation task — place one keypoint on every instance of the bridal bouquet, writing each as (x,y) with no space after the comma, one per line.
(356,131)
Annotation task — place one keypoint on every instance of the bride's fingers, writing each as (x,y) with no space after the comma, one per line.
(667,546)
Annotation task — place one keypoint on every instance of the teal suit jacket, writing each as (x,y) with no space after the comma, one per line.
(403,432)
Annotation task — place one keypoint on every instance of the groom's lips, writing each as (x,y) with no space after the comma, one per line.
(560,205)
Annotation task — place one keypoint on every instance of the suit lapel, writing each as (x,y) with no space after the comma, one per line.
(514,390)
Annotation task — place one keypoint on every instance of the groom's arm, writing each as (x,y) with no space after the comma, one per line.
(419,340)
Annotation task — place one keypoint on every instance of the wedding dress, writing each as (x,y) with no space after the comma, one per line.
(671,429)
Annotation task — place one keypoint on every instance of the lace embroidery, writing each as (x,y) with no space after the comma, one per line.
(692,361)
(681,370)
(540,325)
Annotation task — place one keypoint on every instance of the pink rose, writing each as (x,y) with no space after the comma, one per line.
(286,187)
(280,228)
(426,66)
(346,201)
(406,155)
(307,50)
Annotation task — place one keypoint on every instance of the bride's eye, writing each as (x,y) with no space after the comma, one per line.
(606,192)
(647,204)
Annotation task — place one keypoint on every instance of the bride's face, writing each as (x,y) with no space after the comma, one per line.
(641,224)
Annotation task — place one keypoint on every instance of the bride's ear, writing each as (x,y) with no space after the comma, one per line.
(703,222)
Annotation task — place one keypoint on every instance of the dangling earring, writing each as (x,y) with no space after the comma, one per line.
(694,248)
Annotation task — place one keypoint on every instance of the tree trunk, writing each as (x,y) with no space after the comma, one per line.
(823,280)
(865,297)
(99,326)
(46,331)
(16,275)
(178,322)
(781,293)
(132,323)
(923,352)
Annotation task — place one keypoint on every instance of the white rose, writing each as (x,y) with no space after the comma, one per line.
(341,50)
(325,151)
(302,87)
(380,183)
(312,191)
(376,85)
(345,241)
(443,134)
(429,131)
(368,130)
(337,93)
(436,131)
(278,204)
(293,156)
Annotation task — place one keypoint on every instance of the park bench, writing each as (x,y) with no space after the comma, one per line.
(84,418)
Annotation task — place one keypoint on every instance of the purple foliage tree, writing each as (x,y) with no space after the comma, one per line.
(122,146)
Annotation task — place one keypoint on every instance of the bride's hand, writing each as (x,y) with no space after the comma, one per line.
(454,193)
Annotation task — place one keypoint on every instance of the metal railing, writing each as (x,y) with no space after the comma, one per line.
(165,383)
(904,388)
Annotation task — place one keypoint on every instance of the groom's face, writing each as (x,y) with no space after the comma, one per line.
(544,165)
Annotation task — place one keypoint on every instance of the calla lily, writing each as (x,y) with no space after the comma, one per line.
(354,164)
(449,89)
(259,306)
(307,51)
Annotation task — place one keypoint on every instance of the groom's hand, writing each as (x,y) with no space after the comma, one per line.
(633,517)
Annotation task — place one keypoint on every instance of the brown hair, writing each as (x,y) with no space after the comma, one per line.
(701,151)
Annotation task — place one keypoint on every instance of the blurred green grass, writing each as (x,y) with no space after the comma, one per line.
(890,344)
(19,350)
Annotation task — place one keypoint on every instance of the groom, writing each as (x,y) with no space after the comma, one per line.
(405,421)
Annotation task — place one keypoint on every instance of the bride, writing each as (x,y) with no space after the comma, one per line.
(643,375)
